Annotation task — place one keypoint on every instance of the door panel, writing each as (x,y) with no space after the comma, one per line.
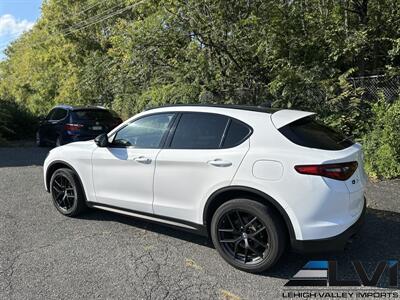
(195,164)
(185,178)
(123,177)
(55,128)
(44,131)
(56,124)
(123,173)
(45,127)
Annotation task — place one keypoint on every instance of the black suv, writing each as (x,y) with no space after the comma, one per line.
(65,124)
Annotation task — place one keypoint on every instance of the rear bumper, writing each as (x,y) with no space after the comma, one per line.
(332,244)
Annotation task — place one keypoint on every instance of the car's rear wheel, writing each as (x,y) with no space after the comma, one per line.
(67,193)
(39,140)
(248,235)
(58,141)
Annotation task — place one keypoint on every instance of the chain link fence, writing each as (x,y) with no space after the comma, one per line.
(375,86)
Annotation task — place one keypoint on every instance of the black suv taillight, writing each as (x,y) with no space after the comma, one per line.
(73,127)
(339,171)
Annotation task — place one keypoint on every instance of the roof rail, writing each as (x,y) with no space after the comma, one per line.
(230,106)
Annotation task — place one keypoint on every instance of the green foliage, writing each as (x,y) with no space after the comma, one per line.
(382,142)
(346,111)
(4,124)
(134,54)
(15,122)
(168,51)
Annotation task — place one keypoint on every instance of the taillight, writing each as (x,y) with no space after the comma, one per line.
(339,171)
(73,127)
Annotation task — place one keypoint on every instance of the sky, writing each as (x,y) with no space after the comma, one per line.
(16,16)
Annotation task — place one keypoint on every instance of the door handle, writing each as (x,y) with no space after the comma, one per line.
(142,160)
(220,163)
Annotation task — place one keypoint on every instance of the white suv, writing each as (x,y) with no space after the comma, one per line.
(255,179)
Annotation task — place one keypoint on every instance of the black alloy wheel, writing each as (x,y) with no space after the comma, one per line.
(243,236)
(67,193)
(248,235)
(64,193)
(39,141)
(58,142)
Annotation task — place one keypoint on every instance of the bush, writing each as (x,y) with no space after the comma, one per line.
(15,122)
(382,142)
(4,124)
(344,109)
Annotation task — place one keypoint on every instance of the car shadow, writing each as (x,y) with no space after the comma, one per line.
(22,156)
(164,229)
(378,240)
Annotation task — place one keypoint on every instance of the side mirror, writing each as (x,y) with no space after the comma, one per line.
(101,140)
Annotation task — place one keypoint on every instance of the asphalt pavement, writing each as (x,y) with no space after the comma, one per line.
(44,255)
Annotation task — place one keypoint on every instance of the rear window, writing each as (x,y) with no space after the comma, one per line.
(310,133)
(92,114)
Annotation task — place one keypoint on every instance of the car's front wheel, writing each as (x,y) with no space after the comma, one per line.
(67,193)
(248,235)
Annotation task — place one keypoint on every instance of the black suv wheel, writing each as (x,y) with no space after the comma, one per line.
(248,235)
(67,193)
(39,140)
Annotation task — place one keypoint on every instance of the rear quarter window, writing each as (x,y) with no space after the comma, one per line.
(237,133)
(59,114)
(310,133)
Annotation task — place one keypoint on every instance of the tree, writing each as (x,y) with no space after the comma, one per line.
(131,54)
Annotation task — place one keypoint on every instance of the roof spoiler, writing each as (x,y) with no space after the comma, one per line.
(287,116)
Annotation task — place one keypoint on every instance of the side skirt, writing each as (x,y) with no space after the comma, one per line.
(171,222)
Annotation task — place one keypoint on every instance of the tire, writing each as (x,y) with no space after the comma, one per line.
(243,242)
(67,192)
(58,142)
(39,141)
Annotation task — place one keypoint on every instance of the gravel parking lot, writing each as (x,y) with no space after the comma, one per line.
(45,255)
